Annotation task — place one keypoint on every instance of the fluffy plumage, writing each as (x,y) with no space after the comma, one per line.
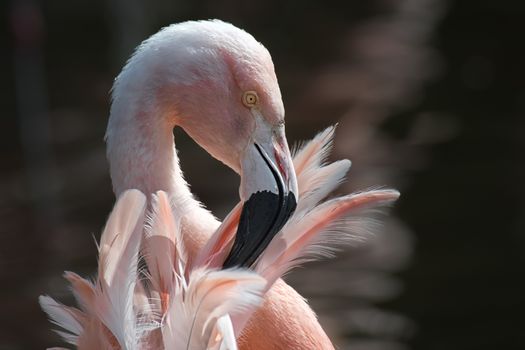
(121,311)
(181,305)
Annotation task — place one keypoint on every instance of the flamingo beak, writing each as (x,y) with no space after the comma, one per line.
(269,192)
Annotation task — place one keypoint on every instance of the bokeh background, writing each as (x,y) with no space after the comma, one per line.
(430,99)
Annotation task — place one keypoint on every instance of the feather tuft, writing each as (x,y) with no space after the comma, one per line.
(316,234)
(209,296)
(313,153)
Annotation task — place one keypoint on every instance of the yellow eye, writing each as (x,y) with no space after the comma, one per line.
(250,99)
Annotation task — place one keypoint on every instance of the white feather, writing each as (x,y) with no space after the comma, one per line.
(209,295)
(64,317)
(222,336)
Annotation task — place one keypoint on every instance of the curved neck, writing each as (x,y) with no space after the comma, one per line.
(142,155)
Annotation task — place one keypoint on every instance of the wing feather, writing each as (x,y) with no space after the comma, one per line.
(118,260)
(342,220)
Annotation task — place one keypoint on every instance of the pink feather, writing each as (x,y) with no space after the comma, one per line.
(163,248)
(316,234)
(107,308)
(313,153)
(217,248)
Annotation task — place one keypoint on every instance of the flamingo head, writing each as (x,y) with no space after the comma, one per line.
(218,83)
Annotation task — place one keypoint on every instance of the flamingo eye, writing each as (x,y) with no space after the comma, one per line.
(250,99)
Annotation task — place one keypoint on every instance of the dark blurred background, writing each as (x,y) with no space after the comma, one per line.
(430,99)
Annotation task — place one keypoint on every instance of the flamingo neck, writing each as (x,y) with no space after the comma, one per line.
(142,155)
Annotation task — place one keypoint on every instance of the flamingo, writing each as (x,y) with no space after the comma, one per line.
(218,84)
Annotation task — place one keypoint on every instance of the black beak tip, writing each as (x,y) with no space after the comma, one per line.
(262,217)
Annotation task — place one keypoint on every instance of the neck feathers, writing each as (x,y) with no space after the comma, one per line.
(142,155)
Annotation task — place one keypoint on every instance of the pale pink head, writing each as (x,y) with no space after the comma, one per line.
(218,83)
